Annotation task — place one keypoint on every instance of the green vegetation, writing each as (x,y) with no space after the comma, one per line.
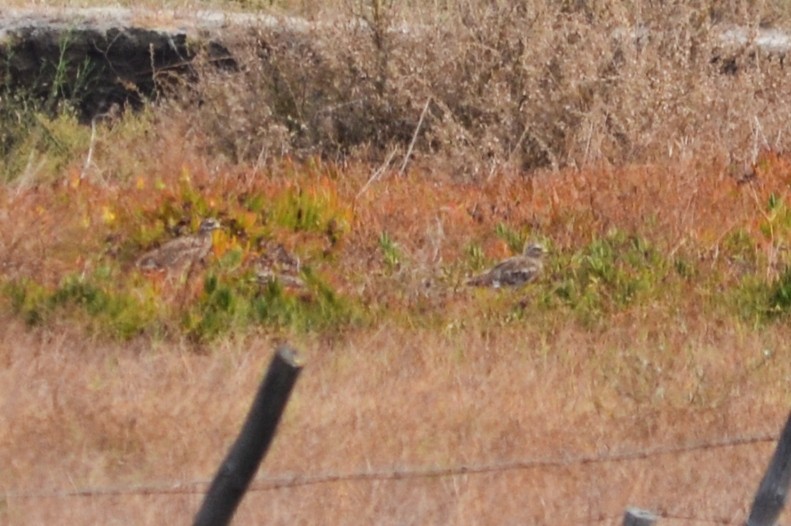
(390,252)
(39,130)
(476,260)
(118,314)
(255,148)
(611,273)
(117,301)
(515,240)
(226,303)
(35,146)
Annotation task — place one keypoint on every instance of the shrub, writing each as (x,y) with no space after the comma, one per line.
(612,272)
(89,301)
(477,86)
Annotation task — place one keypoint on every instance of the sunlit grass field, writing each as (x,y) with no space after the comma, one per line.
(661,318)
(647,328)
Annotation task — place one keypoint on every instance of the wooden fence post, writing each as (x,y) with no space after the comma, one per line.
(638,517)
(242,461)
(771,495)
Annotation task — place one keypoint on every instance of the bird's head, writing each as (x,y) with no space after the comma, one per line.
(534,250)
(209,224)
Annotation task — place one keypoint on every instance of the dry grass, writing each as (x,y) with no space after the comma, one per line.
(81,414)
(479,87)
(542,84)
(473,386)
(435,378)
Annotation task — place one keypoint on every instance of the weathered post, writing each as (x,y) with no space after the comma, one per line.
(242,461)
(638,517)
(771,495)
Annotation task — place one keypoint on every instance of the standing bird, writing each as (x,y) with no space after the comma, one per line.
(181,252)
(514,271)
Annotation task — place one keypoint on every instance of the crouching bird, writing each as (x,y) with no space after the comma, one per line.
(182,252)
(277,265)
(514,271)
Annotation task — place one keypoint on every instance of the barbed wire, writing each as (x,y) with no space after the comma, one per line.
(297,480)
(602,517)
(294,480)
(692,518)
(687,518)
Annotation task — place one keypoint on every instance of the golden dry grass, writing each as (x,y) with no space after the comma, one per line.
(85,413)
(81,414)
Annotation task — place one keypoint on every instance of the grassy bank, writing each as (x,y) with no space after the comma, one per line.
(678,237)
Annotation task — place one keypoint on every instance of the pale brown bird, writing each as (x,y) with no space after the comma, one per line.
(264,276)
(276,264)
(178,253)
(514,271)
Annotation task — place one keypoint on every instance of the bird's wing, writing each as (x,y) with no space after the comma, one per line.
(267,275)
(182,244)
(171,253)
(486,279)
(518,272)
(513,271)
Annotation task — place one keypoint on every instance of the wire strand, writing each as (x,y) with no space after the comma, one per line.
(294,480)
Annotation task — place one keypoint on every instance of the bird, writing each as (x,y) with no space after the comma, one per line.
(265,276)
(514,271)
(276,264)
(177,253)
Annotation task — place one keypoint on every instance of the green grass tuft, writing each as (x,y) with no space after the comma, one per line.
(92,301)
(390,252)
(611,273)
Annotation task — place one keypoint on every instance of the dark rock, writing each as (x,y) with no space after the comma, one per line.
(94,63)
